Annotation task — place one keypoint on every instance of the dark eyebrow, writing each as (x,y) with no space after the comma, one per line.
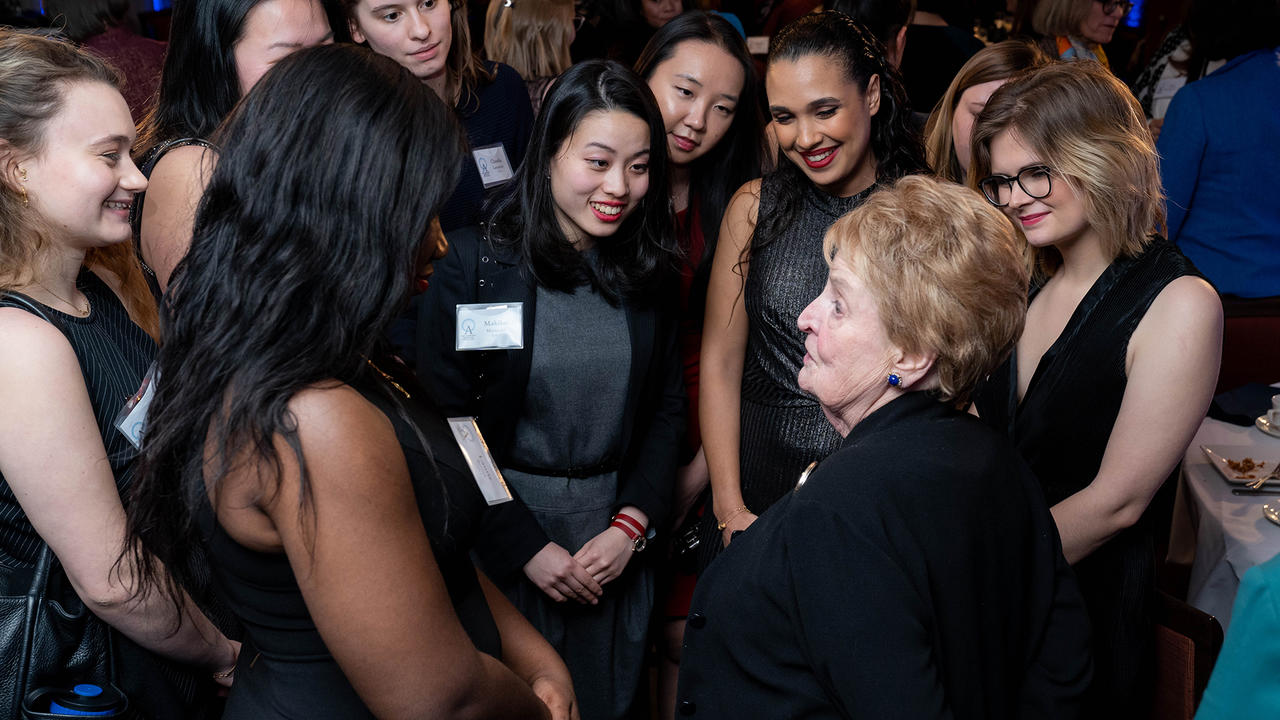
(820,102)
(602,146)
(639,154)
(690,78)
(293,44)
(730,98)
(383,8)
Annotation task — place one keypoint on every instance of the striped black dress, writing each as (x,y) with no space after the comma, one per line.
(114,355)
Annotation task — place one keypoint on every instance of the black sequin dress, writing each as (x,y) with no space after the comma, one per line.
(782,427)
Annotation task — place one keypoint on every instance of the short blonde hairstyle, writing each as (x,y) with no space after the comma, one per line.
(996,62)
(1059,17)
(947,273)
(1090,130)
(531,36)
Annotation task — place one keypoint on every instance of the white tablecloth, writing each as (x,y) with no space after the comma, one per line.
(1231,534)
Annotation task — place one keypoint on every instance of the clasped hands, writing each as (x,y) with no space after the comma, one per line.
(582,575)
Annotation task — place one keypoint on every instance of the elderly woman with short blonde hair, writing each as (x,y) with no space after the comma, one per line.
(916,572)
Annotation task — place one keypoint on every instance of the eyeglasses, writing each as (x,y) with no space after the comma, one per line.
(1034,181)
(1110,6)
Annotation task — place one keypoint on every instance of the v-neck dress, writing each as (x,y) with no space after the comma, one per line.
(1062,427)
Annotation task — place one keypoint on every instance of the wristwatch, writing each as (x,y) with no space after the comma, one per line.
(632,527)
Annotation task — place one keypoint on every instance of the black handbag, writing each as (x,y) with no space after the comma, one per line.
(63,653)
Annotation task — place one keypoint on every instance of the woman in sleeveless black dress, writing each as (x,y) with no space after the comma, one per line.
(217,51)
(64,255)
(759,428)
(285,439)
(1118,361)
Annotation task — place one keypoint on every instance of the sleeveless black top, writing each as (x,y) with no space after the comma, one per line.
(1062,427)
(782,427)
(114,355)
(285,670)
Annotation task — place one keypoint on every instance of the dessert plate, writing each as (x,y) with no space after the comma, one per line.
(1266,426)
(1237,466)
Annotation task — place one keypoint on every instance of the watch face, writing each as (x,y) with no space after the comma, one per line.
(639,544)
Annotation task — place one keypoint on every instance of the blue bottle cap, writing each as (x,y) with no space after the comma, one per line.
(87,700)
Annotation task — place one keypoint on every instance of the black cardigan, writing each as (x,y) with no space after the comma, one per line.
(491,386)
(916,574)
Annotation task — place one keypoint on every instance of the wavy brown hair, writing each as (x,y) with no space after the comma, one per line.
(1090,131)
(37,72)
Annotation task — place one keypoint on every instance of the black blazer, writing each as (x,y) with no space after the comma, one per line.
(916,574)
(491,386)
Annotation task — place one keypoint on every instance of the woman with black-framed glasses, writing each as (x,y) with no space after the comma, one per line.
(1077,29)
(1121,329)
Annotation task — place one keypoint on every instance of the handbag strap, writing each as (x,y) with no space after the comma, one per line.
(44,563)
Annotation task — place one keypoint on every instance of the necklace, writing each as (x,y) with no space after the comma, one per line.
(388,378)
(78,311)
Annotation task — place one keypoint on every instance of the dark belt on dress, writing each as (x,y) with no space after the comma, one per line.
(576,472)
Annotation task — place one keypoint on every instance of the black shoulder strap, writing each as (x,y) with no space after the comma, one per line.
(14,299)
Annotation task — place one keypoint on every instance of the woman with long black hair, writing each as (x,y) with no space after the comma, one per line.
(217,51)
(583,412)
(335,508)
(841,120)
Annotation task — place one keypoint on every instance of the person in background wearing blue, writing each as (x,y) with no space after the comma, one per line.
(1245,682)
(1220,157)
(584,414)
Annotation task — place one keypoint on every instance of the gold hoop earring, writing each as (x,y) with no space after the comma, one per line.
(26,202)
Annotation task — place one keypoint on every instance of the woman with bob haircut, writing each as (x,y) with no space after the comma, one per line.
(431,38)
(533,37)
(916,572)
(584,413)
(841,123)
(66,184)
(217,51)
(1121,328)
(336,510)
(1077,29)
(701,73)
(950,126)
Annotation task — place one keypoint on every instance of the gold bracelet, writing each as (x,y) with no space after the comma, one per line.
(736,512)
(224,674)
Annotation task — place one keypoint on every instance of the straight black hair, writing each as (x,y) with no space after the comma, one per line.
(896,146)
(199,84)
(303,252)
(738,158)
(641,255)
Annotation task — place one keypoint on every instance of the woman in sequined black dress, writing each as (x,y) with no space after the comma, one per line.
(840,116)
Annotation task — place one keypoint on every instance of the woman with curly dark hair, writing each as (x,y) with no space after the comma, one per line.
(336,510)
(841,121)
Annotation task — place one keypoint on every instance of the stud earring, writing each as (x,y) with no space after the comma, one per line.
(26,202)
(895,380)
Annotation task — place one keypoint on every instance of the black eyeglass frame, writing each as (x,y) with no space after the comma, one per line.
(1009,181)
(1109,6)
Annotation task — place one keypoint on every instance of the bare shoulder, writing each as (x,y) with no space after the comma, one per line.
(184,165)
(741,215)
(30,342)
(340,429)
(1188,304)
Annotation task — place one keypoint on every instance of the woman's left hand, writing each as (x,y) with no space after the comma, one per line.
(606,555)
(557,696)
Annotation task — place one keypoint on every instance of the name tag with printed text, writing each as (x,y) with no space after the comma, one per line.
(483,468)
(483,326)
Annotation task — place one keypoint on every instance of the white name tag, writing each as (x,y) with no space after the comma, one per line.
(474,449)
(489,327)
(494,167)
(132,418)
(758,44)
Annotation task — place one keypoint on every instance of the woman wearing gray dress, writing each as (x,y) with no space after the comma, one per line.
(583,413)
